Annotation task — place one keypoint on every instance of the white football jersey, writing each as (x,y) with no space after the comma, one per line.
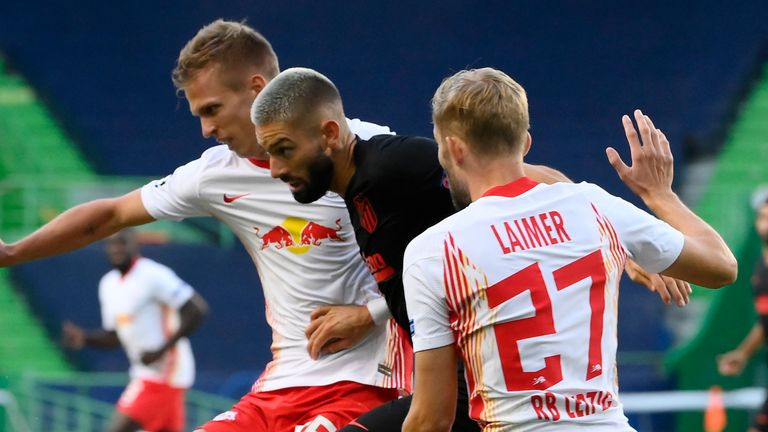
(142,307)
(525,282)
(305,254)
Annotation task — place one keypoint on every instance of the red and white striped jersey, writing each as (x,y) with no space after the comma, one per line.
(525,282)
(142,307)
(306,256)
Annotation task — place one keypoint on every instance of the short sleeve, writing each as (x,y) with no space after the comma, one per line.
(426,303)
(651,242)
(169,289)
(176,196)
(107,317)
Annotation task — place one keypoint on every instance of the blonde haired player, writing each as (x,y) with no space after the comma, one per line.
(523,282)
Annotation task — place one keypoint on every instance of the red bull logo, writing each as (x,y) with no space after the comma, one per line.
(299,235)
(278,236)
(314,233)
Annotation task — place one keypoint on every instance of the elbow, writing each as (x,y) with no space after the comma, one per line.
(201,305)
(202,312)
(725,273)
(204,309)
(8,256)
(729,272)
(194,311)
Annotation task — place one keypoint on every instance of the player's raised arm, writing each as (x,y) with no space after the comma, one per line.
(77,227)
(668,289)
(705,259)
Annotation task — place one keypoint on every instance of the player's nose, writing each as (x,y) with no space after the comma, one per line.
(277,169)
(208,128)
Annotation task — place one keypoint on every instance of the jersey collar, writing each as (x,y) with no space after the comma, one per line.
(261,163)
(512,189)
(130,267)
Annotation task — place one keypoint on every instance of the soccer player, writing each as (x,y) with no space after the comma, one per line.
(150,311)
(733,362)
(523,282)
(393,186)
(306,255)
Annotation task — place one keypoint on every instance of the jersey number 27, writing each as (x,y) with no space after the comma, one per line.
(542,323)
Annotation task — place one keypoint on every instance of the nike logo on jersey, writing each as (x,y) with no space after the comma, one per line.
(233,198)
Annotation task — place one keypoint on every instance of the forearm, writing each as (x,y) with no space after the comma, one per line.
(191,315)
(73,229)
(714,253)
(416,422)
(102,339)
(433,407)
(753,341)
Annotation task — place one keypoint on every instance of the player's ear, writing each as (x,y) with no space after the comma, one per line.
(527,143)
(332,135)
(257,83)
(456,149)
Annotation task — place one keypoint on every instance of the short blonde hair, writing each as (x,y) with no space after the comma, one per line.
(485,107)
(227,43)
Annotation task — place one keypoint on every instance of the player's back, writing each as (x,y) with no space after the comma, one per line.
(530,275)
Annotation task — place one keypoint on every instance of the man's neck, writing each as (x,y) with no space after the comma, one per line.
(765,254)
(127,266)
(487,175)
(344,164)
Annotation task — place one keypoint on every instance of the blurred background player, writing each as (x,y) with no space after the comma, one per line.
(733,362)
(394,189)
(150,311)
(220,71)
(532,311)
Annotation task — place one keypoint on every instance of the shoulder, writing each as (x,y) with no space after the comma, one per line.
(429,244)
(107,278)
(149,266)
(399,154)
(217,156)
(587,190)
(107,283)
(398,146)
(366,130)
(210,158)
(193,173)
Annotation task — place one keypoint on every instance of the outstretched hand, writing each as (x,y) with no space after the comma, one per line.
(651,172)
(335,328)
(667,288)
(72,336)
(732,363)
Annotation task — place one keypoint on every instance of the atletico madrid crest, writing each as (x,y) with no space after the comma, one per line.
(368,218)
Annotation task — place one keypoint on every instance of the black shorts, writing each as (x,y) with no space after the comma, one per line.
(390,416)
(761,418)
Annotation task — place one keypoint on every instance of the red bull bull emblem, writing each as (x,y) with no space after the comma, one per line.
(314,233)
(299,235)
